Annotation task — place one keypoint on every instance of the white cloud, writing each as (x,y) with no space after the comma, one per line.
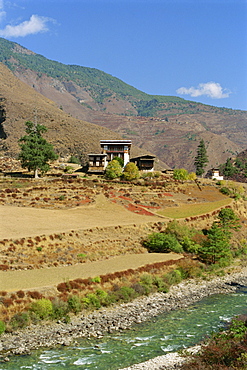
(34,25)
(210,89)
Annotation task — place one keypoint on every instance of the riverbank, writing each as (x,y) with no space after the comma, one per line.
(166,362)
(117,318)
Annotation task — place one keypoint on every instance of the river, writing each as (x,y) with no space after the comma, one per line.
(166,333)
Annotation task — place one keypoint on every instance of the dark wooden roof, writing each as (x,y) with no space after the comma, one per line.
(146,156)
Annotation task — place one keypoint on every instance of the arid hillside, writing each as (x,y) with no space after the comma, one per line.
(20,103)
(173,135)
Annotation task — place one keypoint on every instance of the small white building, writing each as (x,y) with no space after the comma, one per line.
(216,174)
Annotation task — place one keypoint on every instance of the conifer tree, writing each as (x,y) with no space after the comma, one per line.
(36,152)
(201,158)
(229,170)
(217,246)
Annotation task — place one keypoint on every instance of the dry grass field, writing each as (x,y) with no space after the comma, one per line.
(62,223)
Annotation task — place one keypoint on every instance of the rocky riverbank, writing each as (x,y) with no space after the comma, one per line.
(167,362)
(117,318)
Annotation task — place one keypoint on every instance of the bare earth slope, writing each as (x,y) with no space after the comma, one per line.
(17,222)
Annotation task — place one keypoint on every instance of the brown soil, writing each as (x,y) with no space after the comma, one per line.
(19,222)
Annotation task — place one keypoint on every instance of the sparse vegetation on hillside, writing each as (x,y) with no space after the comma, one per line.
(236,168)
(99,84)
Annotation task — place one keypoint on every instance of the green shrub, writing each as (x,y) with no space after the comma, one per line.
(225,191)
(189,245)
(191,270)
(74,160)
(160,284)
(162,243)
(131,172)
(2,327)
(69,169)
(60,308)
(180,174)
(74,303)
(96,279)
(42,308)
(146,281)
(81,256)
(140,289)
(91,301)
(173,277)
(177,229)
(20,320)
(125,294)
(104,297)
(238,328)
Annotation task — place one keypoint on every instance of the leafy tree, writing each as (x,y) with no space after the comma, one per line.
(113,170)
(179,230)
(180,174)
(162,243)
(217,246)
(120,160)
(36,152)
(192,176)
(131,172)
(201,158)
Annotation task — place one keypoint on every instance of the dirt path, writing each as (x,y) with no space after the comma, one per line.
(48,277)
(19,222)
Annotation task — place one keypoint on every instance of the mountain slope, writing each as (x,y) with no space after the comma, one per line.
(20,103)
(169,127)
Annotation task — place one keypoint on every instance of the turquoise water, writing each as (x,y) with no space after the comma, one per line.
(166,333)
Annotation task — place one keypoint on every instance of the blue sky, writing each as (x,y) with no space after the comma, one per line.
(195,49)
